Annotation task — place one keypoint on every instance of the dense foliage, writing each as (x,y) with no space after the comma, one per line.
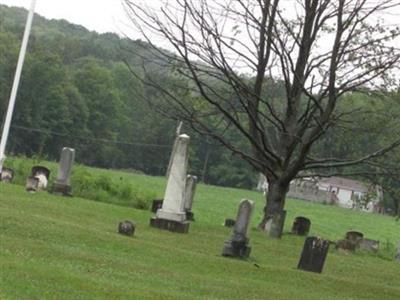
(78,91)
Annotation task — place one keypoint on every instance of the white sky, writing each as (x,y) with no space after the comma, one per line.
(99,15)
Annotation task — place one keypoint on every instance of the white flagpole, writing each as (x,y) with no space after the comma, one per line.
(14,89)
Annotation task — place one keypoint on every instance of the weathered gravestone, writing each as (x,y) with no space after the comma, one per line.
(126,228)
(32,184)
(301,226)
(351,242)
(42,174)
(61,185)
(191,182)
(7,175)
(172,216)
(369,245)
(238,246)
(275,223)
(314,254)
(156,205)
(354,236)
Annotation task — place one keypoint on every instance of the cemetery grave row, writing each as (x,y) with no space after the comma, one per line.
(174,211)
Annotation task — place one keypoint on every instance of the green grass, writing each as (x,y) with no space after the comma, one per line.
(67,248)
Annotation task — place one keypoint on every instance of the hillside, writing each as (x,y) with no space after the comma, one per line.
(67,248)
(77,90)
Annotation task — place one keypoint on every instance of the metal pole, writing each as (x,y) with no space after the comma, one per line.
(11,103)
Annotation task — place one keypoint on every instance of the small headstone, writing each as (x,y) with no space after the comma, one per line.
(238,246)
(314,254)
(156,204)
(229,222)
(369,245)
(354,235)
(172,216)
(191,182)
(301,226)
(42,174)
(61,185)
(32,184)
(7,175)
(126,228)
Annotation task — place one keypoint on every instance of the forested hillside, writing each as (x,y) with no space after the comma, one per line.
(76,90)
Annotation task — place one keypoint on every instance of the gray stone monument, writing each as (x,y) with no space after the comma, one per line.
(172,215)
(191,182)
(61,185)
(369,245)
(238,246)
(7,175)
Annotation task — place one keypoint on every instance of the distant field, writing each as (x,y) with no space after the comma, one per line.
(67,248)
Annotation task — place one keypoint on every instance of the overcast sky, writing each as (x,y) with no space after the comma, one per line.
(99,15)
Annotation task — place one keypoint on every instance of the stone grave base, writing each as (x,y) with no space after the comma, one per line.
(236,249)
(174,226)
(61,189)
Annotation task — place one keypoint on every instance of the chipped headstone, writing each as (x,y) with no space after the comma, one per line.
(7,175)
(301,226)
(61,185)
(191,182)
(172,216)
(126,228)
(354,237)
(314,254)
(347,245)
(238,246)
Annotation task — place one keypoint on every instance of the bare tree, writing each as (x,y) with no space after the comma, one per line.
(229,51)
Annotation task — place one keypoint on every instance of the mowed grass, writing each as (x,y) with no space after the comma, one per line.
(67,248)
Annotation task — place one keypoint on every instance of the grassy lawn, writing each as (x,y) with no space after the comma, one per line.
(67,248)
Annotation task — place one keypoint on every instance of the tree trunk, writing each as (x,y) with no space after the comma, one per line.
(274,214)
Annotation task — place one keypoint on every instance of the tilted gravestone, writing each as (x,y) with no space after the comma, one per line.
(301,226)
(61,185)
(191,182)
(126,228)
(238,245)
(172,216)
(7,175)
(314,254)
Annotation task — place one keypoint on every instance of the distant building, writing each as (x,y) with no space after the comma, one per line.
(339,191)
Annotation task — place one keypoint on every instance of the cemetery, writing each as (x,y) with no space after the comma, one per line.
(80,220)
(45,234)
